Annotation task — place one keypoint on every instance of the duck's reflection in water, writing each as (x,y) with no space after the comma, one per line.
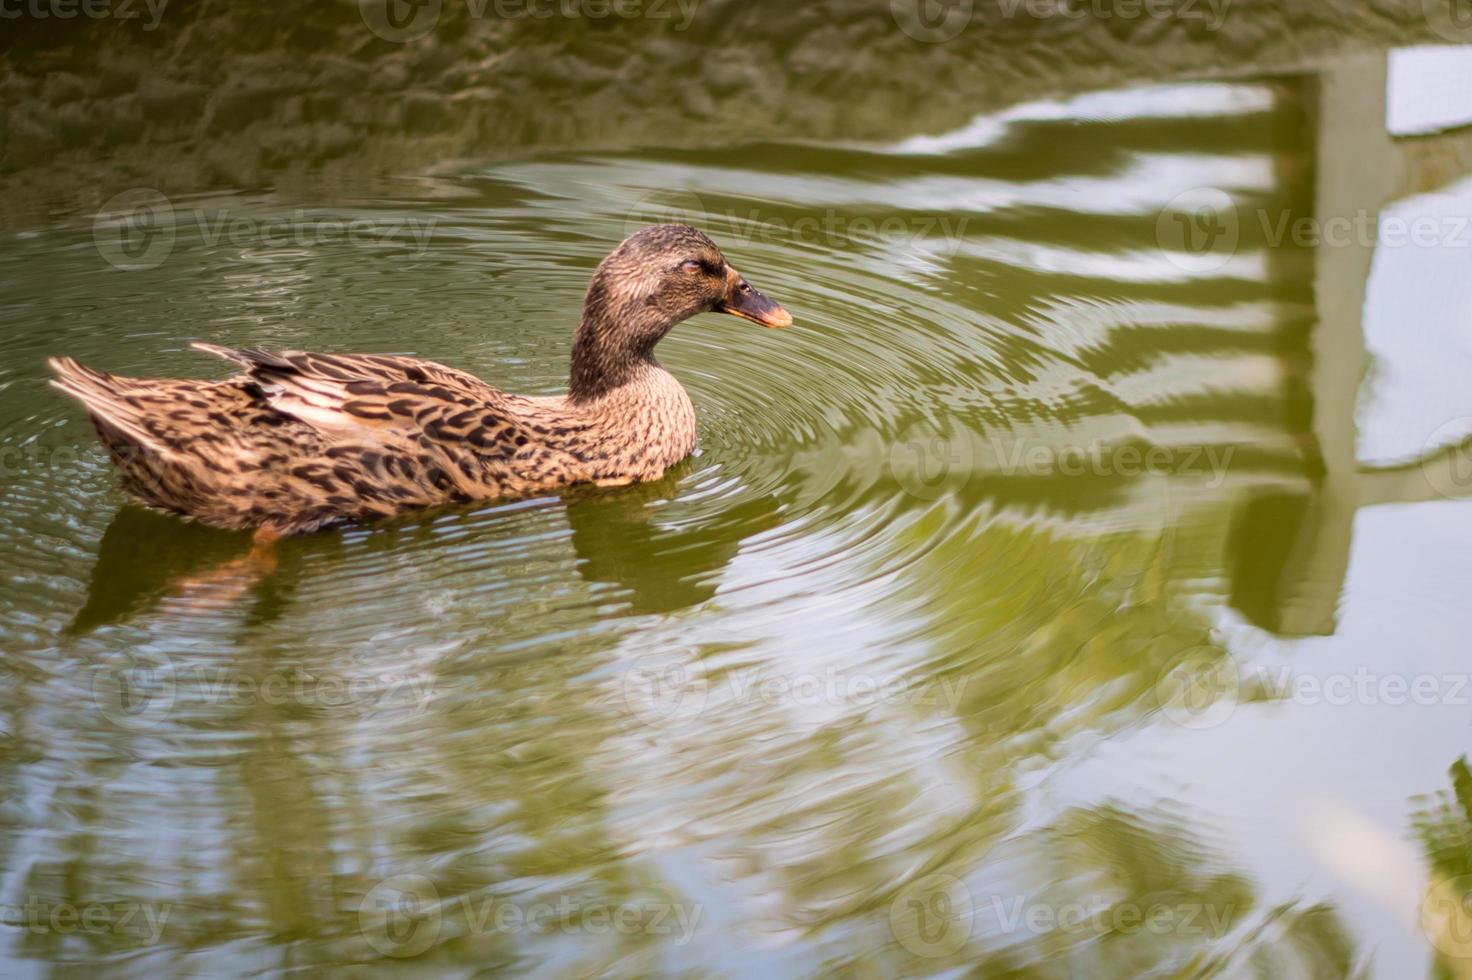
(620,540)
(145,558)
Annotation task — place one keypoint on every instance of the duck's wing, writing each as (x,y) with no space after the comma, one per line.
(286,365)
(472,439)
(342,392)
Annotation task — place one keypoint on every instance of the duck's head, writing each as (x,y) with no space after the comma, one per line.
(654,280)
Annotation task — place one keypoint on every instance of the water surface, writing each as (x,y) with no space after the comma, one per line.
(960,640)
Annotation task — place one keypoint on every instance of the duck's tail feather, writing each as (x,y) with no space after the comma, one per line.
(105,397)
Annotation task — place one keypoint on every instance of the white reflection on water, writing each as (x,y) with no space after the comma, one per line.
(1153,102)
(1430,89)
(1418,327)
(1334,773)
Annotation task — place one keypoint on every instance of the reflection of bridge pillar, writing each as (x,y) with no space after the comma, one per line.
(1356,164)
(1293,553)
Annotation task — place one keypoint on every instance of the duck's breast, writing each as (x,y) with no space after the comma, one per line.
(647,426)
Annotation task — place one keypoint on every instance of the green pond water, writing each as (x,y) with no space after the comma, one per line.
(1026,609)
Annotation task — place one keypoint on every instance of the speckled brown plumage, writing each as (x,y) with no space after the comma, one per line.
(299,441)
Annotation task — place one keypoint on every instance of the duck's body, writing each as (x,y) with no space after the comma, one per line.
(299,441)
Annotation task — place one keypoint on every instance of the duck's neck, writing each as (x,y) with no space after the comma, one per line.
(612,348)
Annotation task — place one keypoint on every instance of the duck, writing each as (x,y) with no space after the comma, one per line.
(297,441)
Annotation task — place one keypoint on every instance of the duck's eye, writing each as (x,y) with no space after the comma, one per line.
(691,265)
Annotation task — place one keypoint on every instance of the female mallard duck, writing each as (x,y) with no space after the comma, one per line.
(299,441)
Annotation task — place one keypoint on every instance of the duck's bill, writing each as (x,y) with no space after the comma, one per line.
(750,304)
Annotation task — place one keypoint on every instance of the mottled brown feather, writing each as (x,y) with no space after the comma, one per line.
(301,440)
